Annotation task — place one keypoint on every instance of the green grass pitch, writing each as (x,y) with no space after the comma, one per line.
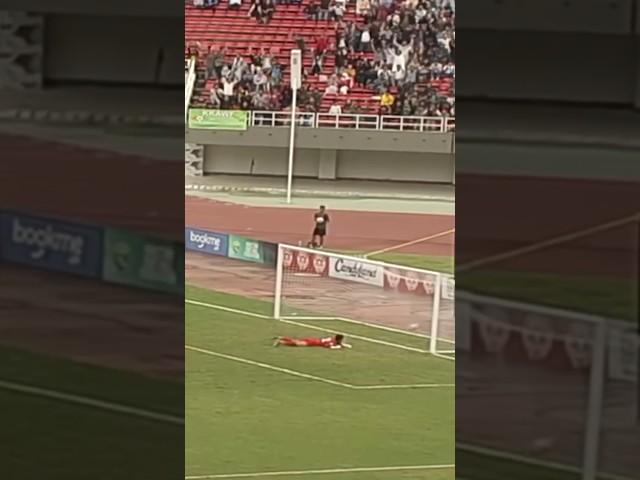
(73,441)
(280,413)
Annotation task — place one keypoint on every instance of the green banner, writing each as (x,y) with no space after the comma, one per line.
(242,248)
(218,119)
(142,261)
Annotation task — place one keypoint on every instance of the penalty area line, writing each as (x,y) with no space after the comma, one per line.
(268,366)
(320,471)
(304,325)
(90,402)
(308,376)
(408,386)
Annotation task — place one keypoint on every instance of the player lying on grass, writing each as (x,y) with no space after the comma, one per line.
(337,341)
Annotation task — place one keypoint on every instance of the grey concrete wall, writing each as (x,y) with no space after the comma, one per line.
(319,138)
(116,49)
(259,161)
(399,166)
(331,164)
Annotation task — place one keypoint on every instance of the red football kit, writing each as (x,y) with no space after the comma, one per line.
(326,342)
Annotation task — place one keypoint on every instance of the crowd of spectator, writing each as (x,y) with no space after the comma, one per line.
(253,82)
(400,50)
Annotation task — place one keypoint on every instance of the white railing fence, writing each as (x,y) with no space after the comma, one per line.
(354,121)
(272,119)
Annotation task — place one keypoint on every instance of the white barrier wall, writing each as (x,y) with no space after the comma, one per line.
(259,161)
(331,164)
(410,167)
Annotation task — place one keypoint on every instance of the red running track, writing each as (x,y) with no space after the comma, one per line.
(349,230)
(497,214)
(96,186)
(83,319)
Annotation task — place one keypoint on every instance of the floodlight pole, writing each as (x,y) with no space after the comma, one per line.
(296,80)
(292,139)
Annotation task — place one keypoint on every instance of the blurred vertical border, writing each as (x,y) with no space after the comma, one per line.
(548,239)
(91,240)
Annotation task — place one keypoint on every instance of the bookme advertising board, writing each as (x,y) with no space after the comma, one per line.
(51,244)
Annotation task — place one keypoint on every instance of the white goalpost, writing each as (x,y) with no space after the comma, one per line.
(316,285)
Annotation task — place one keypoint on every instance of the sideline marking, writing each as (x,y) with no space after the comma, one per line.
(288,371)
(412,242)
(320,472)
(90,402)
(316,378)
(547,243)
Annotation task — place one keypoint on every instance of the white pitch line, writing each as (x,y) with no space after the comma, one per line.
(383,327)
(407,386)
(308,376)
(547,243)
(412,242)
(320,472)
(90,402)
(445,357)
(228,309)
(311,327)
(267,366)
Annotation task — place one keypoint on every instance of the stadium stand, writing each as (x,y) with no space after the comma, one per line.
(242,49)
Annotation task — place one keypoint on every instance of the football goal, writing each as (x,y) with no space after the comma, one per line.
(562,385)
(319,285)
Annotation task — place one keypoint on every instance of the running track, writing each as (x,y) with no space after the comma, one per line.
(348,230)
(84,319)
(496,214)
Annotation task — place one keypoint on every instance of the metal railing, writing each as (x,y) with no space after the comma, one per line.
(353,121)
(281,119)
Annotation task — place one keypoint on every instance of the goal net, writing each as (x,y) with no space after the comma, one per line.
(562,386)
(314,285)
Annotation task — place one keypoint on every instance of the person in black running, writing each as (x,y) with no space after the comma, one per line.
(320,219)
